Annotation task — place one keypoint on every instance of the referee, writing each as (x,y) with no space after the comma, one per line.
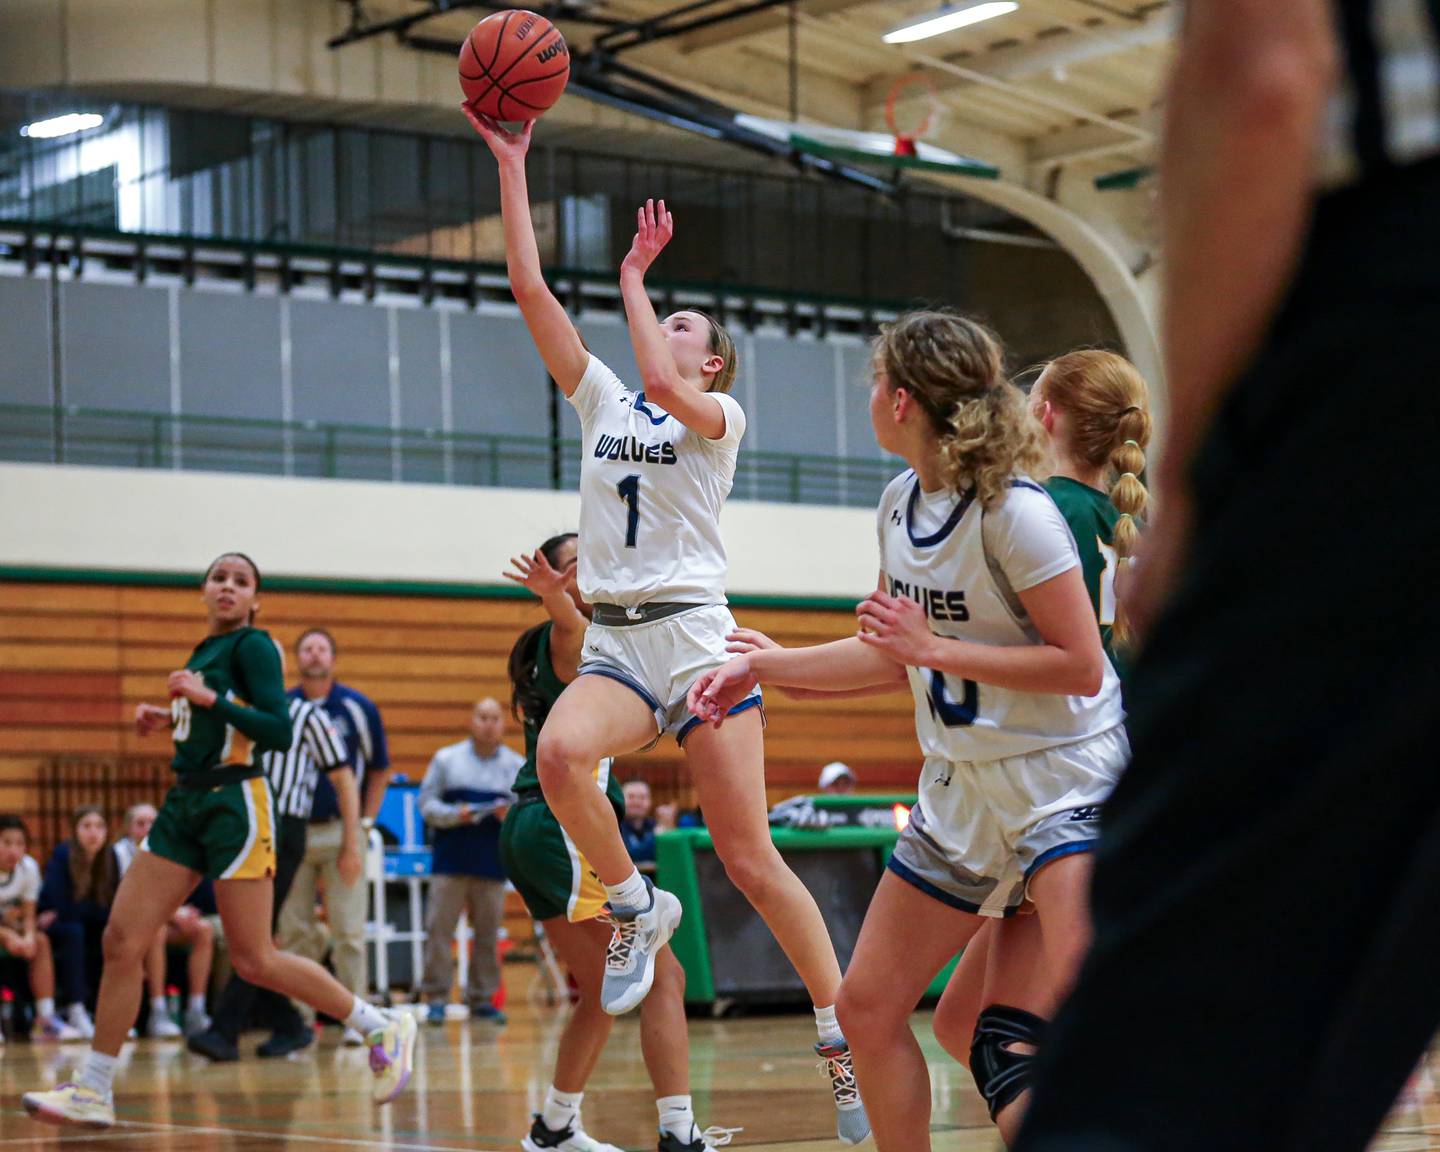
(293,776)
(1267,885)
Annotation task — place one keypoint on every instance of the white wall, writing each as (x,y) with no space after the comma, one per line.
(66,516)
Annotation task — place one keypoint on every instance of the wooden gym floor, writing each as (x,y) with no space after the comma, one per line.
(477,1084)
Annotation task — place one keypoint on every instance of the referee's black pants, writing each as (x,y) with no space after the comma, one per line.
(1267,883)
(239,998)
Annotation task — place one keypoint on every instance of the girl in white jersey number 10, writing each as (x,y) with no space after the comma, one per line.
(656,468)
(983,607)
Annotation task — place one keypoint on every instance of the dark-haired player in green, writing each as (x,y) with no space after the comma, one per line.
(226,705)
(563,893)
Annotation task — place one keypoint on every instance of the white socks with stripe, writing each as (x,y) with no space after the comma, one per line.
(98,1072)
(677,1117)
(561,1110)
(365,1018)
(828,1026)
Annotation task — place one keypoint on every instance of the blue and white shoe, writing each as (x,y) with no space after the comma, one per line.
(851,1124)
(637,938)
(71,1104)
(392,1055)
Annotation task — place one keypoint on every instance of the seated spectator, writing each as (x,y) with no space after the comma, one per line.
(75,898)
(638,827)
(21,942)
(464,796)
(188,928)
(837,779)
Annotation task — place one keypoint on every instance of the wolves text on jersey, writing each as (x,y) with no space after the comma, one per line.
(631,449)
(939,604)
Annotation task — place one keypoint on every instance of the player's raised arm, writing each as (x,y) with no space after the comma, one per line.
(555,336)
(698,411)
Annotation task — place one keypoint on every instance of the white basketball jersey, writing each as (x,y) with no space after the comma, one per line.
(650,497)
(964,566)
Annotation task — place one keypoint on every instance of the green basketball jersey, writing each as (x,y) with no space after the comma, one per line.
(250,710)
(1092,518)
(549,686)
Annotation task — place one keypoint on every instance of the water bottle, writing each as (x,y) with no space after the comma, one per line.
(7,1013)
(172,1002)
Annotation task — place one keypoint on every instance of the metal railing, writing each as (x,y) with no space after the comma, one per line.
(119,438)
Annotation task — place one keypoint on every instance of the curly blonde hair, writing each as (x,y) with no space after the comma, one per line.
(955,369)
(1107,405)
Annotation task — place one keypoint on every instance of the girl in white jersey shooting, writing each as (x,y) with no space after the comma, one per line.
(982,605)
(656,468)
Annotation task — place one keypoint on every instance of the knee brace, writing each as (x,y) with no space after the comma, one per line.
(1000,1072)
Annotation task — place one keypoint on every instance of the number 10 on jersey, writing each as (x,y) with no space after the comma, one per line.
(629,489)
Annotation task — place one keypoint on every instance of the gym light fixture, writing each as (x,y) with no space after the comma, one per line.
(66,125)
(947,18)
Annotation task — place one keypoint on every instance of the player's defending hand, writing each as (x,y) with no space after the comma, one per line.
(537,574)
(654,226)
(151,718)
(713,695)
(505,144)
(742,641)
(896,625)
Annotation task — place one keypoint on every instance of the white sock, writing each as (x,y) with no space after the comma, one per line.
(158,1007)
(98,1072)
(561,1108)
(45,1007)
(630,894)
(677,1117)
(828,1026)
(365,1017)
(197,1004)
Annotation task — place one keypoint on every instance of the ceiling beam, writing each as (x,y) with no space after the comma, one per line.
(1058,51)
(1091,141)
(756,24)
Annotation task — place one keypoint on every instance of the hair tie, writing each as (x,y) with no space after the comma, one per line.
(1129,474)
(1132,408)
(1136,443)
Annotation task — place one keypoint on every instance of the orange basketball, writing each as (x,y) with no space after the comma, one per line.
(514,65)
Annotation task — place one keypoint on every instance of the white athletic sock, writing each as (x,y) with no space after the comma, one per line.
(631,894)
(828,1026)
(45,1007)
(677,1117)
(98,1072)
(197,1003)
(158,1007)
(365,1018)
(561,1108)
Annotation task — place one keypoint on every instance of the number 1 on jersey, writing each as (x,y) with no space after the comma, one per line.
(629,489)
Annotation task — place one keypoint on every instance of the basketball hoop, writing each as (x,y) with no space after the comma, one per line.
(910,111)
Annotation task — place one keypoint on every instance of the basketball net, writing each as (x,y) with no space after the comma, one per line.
(910,110)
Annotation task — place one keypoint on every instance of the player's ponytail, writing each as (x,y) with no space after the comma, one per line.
(722,344)
(1107,409)
(954,368)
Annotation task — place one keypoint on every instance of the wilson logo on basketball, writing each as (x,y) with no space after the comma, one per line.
(524,29)
(556,49)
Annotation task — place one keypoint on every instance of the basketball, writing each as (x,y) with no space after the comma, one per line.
(514,65)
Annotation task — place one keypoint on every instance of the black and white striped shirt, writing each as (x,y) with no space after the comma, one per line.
(316,747)
(1386,110)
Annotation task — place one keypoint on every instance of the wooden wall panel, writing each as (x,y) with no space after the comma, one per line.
(75,659)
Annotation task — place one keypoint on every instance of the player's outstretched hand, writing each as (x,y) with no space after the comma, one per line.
(741,641)
(654,226)
(537,574)
(713,695)
(505,144)
(151,718)
(897,626)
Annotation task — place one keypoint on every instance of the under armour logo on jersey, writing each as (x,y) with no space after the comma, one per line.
(895,516)
(944,776)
